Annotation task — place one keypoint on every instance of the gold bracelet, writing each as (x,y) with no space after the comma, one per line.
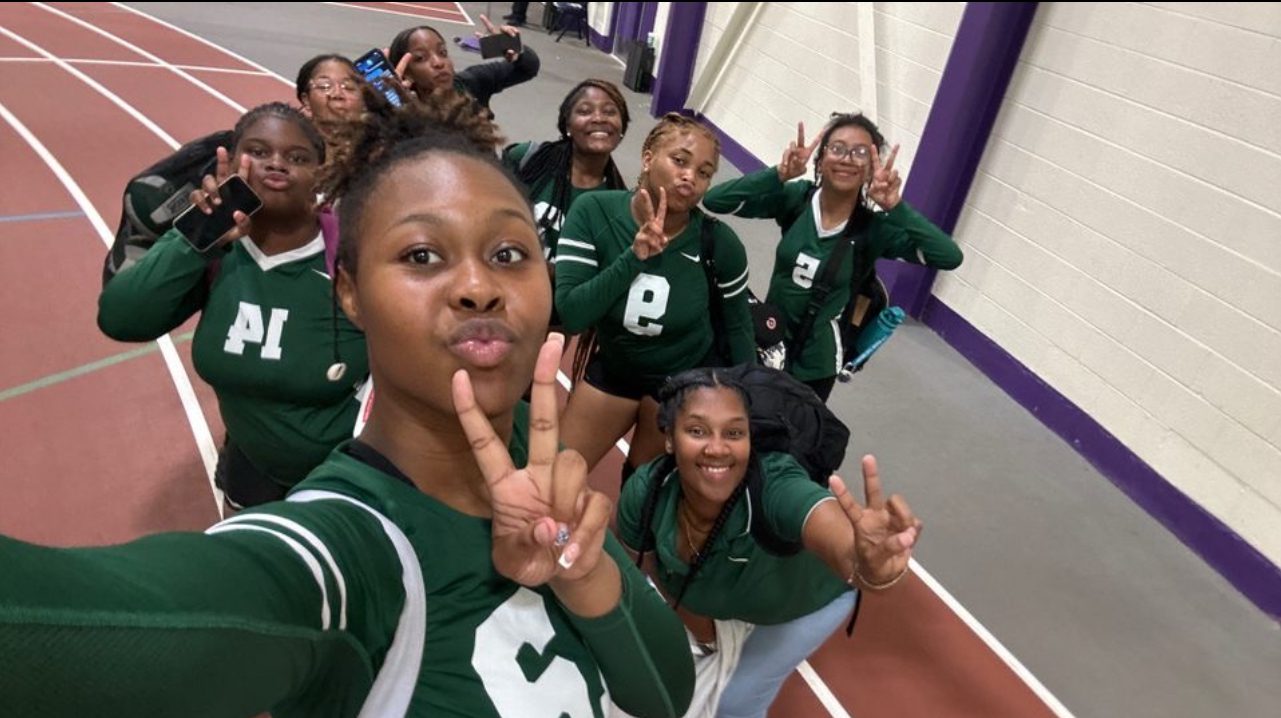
(869,586)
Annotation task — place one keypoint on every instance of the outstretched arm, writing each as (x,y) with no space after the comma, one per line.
(867,546)
(228,624)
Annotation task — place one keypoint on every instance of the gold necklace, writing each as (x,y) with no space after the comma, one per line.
(683,515)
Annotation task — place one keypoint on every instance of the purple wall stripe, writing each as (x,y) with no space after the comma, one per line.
(982,60)
(738,155)
(649,13)
(680,50)
(1241,564)
(604,43)
(627,25)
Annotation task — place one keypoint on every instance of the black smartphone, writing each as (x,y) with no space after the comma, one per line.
(201,230)
(498,44)
(377,71)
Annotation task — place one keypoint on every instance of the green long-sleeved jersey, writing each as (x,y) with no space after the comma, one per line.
(549,216)
(265,342)
(359,595)
(652,316)
(901,233)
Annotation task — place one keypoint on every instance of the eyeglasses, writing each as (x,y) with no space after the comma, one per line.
(327,87)
(859,154)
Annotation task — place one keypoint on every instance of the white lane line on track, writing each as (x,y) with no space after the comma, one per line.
(182,382)
(418,16)
(138,50)
(130,63)
(202,41)
(824,694)
(1054,704)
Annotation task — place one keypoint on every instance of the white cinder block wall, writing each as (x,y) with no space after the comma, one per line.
(801,62)
(1123,238)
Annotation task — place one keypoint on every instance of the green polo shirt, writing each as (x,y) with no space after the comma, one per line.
(739,579)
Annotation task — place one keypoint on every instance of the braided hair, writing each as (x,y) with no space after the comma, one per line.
(669,125)
(552,161)
(672,397)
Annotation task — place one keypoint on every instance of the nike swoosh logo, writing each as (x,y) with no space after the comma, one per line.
(691,257)
(326,276)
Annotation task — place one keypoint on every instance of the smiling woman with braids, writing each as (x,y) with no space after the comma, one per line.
(417,571)
(691,510)
(592,120)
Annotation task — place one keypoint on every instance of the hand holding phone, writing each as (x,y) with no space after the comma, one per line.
(499,45)
(219,211)
(499,42)
(377,71)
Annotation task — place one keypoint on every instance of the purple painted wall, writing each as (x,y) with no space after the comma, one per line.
(680,50)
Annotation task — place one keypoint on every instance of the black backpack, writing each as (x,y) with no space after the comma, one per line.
(158,194)
(786,417)
(868,297)
(767,321)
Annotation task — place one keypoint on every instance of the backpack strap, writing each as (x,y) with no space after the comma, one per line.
(665,466)
(715,301)
(529,154)
(820,290)
(855,228)
(761,533)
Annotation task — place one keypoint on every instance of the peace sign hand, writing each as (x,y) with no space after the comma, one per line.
(207,196)
(650,237)
(797,155)
(884,189)
(884,532)
(547,524)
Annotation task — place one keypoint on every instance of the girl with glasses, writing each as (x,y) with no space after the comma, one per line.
(854,196)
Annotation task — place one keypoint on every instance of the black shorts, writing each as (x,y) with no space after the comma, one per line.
(243,484)
(634,387)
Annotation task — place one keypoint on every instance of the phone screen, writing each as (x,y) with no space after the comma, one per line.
(201,230)
(377,71)
(498,44)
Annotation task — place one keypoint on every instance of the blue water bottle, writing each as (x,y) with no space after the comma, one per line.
(871,339)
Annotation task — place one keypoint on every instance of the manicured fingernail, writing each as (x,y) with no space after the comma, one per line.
(569,556)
